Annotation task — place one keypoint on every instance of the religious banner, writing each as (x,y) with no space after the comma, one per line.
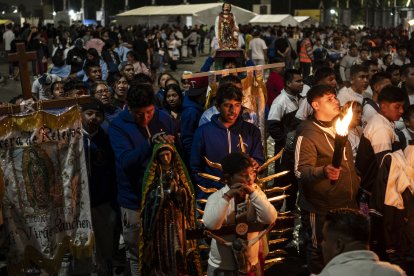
(46,197)
(254,99)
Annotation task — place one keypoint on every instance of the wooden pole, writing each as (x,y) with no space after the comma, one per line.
(234,70)
(44,105)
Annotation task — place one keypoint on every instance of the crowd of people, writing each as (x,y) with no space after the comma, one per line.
(137,104)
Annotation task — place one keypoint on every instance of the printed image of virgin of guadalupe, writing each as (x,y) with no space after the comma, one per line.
(168,209)
(41,188)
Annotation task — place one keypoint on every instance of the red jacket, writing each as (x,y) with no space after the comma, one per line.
(274,86)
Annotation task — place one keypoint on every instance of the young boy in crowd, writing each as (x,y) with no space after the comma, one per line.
(240,201)
(100,162)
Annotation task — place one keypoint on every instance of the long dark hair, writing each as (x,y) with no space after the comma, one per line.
(177,89)
(93,52)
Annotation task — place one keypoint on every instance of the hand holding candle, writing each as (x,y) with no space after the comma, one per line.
(341,128)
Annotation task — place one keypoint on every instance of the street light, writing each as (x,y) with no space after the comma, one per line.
(332,11)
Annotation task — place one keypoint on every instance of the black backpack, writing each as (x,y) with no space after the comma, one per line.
(58,58)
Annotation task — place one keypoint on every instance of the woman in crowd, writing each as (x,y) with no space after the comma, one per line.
(119,86)
(139,65)
(110,56)
(100,90)
(162,79)
(173,100)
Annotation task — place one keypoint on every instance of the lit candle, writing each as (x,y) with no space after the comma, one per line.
(341,136)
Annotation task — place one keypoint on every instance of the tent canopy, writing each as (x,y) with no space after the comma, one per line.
(180,14)
(170,10)
(5,21)
(274,19)
(301,19)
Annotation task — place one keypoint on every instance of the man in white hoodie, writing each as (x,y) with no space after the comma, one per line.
(239,202)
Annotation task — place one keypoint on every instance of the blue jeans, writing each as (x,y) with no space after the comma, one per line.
(131,224)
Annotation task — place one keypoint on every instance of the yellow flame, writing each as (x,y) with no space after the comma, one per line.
(341,126)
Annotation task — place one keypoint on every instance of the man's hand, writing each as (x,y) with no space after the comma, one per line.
(163,138)
(331,172)
(254,163)
(213,54)
(240,189)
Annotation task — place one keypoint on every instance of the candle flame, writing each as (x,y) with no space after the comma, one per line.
(341,126)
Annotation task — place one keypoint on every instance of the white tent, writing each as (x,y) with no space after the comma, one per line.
(305,21)
(274,19)
(191,14)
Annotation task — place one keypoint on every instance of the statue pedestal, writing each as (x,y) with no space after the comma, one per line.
(230,53)
(221,55)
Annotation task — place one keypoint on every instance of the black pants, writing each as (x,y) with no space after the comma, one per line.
(312,224)
(193,50)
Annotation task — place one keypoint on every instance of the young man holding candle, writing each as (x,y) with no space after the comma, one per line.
(313,167)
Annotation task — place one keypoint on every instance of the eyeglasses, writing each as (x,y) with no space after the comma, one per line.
(101,91)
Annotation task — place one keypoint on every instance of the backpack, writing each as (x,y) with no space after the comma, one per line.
(58,58)
(370,102)
(271,52)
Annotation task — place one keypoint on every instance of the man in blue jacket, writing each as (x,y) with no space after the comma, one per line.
(193,108)
(133,133)
(221,136)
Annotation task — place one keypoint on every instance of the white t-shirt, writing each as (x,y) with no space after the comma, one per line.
(380,132)
(347,94)
(257,45)
(8,37)
(368,112)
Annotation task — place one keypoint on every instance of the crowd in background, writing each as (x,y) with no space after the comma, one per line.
(353,65)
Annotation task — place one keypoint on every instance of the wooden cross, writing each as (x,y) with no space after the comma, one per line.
(23,57)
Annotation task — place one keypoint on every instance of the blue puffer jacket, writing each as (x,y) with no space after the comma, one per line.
(214,141)
(132,153)
(190,117)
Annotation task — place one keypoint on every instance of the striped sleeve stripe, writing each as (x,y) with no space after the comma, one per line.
(297,151)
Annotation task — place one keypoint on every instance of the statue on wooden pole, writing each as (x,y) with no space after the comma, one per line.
(226,28)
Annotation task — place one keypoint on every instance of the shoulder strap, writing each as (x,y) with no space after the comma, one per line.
(371,103)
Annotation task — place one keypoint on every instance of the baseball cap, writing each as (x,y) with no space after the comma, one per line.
(198,86)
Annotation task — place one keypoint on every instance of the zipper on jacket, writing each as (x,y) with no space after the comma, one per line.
(149,135)
(229,140)
(349,169)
